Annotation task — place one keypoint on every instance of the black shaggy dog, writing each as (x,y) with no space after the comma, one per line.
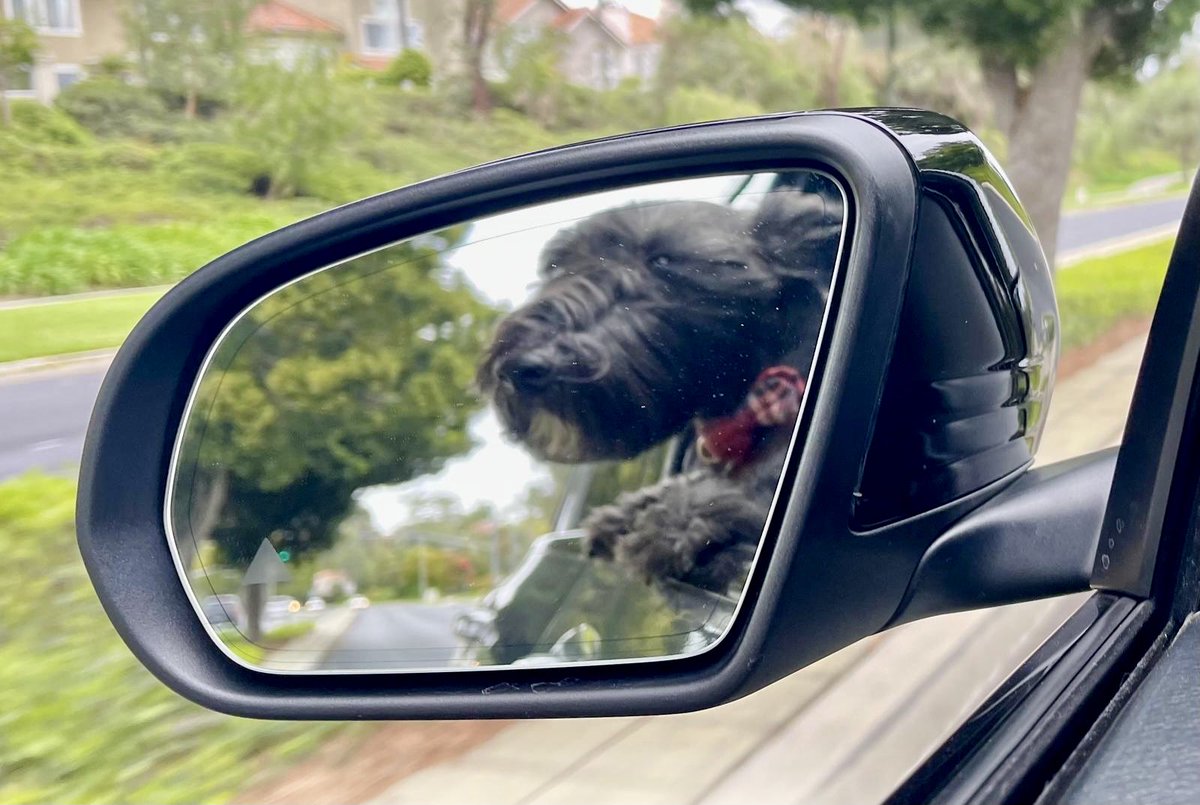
(655,317)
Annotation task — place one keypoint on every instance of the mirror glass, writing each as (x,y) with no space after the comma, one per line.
(552,435)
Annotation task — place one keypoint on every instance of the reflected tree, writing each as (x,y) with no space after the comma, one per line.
(355,376)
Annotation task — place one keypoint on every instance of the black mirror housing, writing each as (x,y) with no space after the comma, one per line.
(932,381)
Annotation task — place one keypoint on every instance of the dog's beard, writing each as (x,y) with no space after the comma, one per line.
(556,439)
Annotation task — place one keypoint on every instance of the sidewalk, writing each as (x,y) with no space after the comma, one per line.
(847,729)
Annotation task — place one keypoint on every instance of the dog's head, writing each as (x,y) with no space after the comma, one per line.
(650,315)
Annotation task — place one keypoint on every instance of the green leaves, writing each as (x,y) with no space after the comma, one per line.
(80,719)
(354,376)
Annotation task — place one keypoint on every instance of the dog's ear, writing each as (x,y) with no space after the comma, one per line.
(798,233)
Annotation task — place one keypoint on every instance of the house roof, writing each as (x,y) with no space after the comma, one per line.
(276,17)
(509,10)
(570,18)
(643,30)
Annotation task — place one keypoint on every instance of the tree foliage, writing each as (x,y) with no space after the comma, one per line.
(1170,109)
(355,376)
(411,68)
(189,51)
(18,46)
(292,117)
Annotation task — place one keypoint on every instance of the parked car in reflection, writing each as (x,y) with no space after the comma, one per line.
(560,605)
(224,611)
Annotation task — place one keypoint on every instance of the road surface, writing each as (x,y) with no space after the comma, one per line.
(1080,230)
(43,416)
(397,635)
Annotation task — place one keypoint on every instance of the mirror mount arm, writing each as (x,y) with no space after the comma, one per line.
(1036,539)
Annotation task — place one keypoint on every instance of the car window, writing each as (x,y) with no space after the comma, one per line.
(140,139)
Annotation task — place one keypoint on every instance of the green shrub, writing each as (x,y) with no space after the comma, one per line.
(35,123)
(82,720)
(695,104)
(109,107)
(213,167)
(55,260)
(410,68)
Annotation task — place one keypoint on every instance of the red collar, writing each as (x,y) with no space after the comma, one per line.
(773,401)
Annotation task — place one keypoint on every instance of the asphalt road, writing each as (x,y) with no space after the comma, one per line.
(1078,230)
(396,635)
(43,416)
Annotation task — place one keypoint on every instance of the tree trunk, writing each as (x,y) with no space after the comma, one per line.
(887,93)
(477,28)
(1005,92)
(212,501)
(191,104)
(1041,133)
(831,87)
(5,109)
(402,21)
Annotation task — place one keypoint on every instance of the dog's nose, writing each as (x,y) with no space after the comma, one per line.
(527,374)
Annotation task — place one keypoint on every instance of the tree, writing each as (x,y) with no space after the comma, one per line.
(291,117)
(478,19)
(1036,58)
(18,46)
(1171,111)
(188,50)
(732,58)
(352,377)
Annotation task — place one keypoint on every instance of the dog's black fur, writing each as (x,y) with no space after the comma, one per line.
(648,317)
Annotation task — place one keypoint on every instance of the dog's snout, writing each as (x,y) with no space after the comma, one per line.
(527,374)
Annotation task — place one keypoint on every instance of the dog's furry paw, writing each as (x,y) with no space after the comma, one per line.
(697,528)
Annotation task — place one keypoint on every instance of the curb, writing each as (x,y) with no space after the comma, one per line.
(64,299)
(97,359)
(1107,248)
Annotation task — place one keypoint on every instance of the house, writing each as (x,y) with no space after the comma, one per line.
(373,32)
(283,33)
(73,36)
(603,47)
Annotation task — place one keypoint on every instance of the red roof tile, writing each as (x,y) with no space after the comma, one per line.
(643,30)
(275,17)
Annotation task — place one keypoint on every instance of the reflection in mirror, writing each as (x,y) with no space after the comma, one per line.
(548,436)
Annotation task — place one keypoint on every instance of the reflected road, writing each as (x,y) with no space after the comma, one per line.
(397,635)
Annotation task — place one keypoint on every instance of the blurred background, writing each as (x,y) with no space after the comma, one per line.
(141,138)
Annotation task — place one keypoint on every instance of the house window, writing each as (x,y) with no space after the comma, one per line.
(381,28)
(20,82)
(52,17)
(67,74)
(380,36)
(385,31)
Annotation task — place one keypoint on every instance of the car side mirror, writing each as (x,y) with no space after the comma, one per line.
(639,425)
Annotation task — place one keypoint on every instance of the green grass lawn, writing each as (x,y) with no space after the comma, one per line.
(1094,295)
(64,327)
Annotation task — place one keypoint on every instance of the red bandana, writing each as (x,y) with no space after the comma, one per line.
(774,400)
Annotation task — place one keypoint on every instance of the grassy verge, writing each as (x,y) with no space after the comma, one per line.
(82,720)
(1093,296)
(65,327)
(1097,294)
